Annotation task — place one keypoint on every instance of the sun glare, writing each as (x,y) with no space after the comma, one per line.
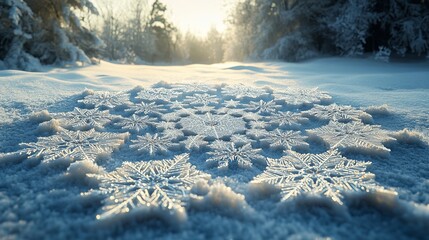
(198,16)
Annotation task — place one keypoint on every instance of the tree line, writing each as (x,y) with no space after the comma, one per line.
(70,32)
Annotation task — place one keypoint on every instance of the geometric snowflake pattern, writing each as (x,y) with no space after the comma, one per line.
(161,185)
(76,146)
(84,119)
(285,140)
(228,155)
(299,97)
(327,174)
(354,136)
(337,113)
(135,123)
(106,99)
(152,144)
(158,94)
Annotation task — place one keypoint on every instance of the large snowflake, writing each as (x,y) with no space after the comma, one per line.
(152,144)
(298,96)
(201,99)
(354,136)
(161,184)
(328,174)
(80,145)
(158,94)
(263,107)
(106,99)
(136,123)
(84,119)
(143,108)
(285,140)
(338,113)
(287,120)
(242,91)
(214,126)
(227,155)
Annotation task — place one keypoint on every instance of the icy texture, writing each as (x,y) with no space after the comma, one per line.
(84,119)
(158,94)
(152,144)
(135,123)
(243,91)
(354,136)
(287,120)
(228,155)
(338,113)
(298,97)
(80,145)
(328,174)
(146,109)
(161,184)
(285,140)
(211,125)
(106,99)
(195,142)
(263,107)
(201,99)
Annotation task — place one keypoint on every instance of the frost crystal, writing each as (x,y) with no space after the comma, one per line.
(287,120)
(135,123)
(161,185)
(151,109)
(263,107)
(201,99)
(242,91)
(106,99)
(285,140)
(158,94)
(228,155)
(215,126)
(328,174)
(195,142)
(80,145)
(354,136)
(338,113)
(297,97)
(84,119)
(152,144)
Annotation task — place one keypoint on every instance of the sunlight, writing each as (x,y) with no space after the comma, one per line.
(197,16)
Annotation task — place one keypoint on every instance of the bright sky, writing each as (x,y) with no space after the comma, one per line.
(198,16)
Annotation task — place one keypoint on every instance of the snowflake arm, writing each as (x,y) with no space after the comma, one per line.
(135,123)
(285,140)
(228,155)
(338,113)
(152,144)
(84,119)
(106,99)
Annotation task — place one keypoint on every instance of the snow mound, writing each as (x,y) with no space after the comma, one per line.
(410,137)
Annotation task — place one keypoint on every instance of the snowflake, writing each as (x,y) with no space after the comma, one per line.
(298,97)
(338,113)
(151,109)
(80,145)
(263,107)
(328,174)
(201,99)
(84,119)
(161,185)
(258,124)
(194,88)
(241,91)
(195,142)
(257,133)
(285,140)
(354,136)
(135,123)
(158,94)
(152,144)
(106,99)
(228,155)
(231,103)
(287,120)
(216,126)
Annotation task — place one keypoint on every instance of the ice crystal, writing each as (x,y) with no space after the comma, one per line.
(136,123)
(328,174)
(151,109)
(84,119)
(215,126)
(242,91)
(79,145)
(201,99)
(338,113)
(354,136)
(297,96)
(158,94)
(195,142)
(106,99)
(161,185)
(263,107)
(152,144)
(285,140)
(287,120)
(231,103)
(228,155)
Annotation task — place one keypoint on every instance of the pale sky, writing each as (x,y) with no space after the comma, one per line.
(196,16)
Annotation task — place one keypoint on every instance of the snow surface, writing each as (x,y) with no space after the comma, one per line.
(233,150)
